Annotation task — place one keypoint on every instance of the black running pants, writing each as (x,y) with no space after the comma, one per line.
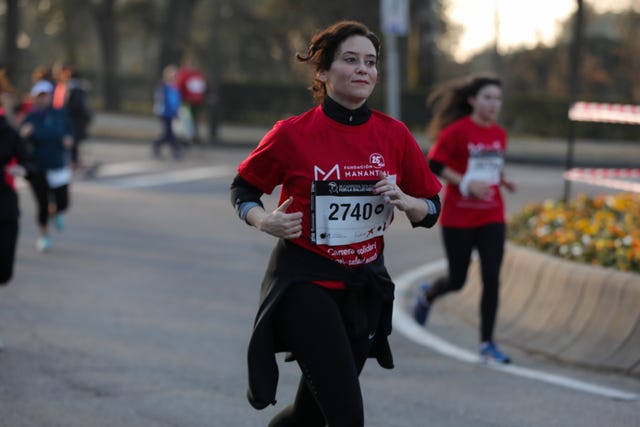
(459,244)
(44,195)
(8,241)
(309,321)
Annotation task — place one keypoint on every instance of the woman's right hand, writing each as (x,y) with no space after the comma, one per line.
(479,189)
(26,130)
(281,224)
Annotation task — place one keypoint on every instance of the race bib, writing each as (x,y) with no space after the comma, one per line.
(347,212)
(485,166)
(59,177)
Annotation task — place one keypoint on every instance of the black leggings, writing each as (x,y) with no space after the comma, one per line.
(309,321)
(43,195)
(459,244)
(8,240)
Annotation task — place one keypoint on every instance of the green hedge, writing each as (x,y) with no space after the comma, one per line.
(264,103)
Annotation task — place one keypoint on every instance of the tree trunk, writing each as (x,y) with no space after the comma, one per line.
(213,74)
(10,36)
(423,43)
(175,34)
(69,9)
(104,15)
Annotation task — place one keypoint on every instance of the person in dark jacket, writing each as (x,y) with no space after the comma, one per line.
(78,108)
(344,170)
(50,137)
(14,161)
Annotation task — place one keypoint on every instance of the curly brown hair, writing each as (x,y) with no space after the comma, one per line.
(322,50)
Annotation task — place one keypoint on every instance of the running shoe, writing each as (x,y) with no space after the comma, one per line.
(59,222)
(422,307)
(490,352)
(43,244)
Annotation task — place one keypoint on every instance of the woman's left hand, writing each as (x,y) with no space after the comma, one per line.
(509,185)
(391,193)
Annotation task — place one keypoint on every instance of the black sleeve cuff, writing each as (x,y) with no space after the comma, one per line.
(242,191)
(436,167)
(431,218)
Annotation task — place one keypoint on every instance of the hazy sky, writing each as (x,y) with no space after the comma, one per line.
(521,22)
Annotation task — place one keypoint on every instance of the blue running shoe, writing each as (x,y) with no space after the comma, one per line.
(422,307)
(43,244)
(59,222)
(490,352)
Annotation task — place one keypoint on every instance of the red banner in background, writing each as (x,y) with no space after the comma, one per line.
(617,179)
(606,113)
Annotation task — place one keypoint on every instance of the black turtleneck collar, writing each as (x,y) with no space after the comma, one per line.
(343,115)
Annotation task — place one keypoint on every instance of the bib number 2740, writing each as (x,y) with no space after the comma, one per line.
(357,211)
(347,212)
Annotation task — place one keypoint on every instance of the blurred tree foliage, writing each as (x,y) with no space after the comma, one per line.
(121,45)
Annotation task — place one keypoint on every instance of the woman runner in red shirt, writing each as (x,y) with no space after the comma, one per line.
(344,170)
(469,155)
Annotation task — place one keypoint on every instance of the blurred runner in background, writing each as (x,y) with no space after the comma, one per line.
(468,154)
(192,85)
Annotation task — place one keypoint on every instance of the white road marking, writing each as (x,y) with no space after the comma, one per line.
(143,180)
(123,168)
(173,177)
(404,323)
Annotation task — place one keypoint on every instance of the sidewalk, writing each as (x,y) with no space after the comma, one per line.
(531,150)
(144,129)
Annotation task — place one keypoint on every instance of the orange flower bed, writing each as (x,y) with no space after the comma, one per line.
(602,230)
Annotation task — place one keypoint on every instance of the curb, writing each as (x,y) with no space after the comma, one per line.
(138,128)
(580,314)
(144,129)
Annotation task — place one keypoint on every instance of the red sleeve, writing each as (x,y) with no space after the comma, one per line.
(448,149)
(417,179)
(263,167)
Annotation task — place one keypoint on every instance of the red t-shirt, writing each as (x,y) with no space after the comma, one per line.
(192,85)
(467,146)
(313,151)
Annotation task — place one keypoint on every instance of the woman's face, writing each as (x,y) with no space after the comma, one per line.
(486,104)
(353,73)
(42,101)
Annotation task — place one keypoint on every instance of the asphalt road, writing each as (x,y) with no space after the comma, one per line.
(141,313)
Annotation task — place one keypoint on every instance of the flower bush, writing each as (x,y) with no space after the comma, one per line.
(602,230)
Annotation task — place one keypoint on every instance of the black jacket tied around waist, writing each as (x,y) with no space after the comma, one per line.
(367,288)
